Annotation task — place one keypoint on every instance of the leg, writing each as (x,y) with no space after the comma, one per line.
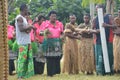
(110,52)
(99,60)
(57,63)
(11,66)
(50,67)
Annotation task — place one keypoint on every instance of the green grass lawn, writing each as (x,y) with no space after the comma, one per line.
(70,77)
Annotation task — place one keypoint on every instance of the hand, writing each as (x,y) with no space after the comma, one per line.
(105,25)
(75,33)
(28,31)
(47,31)
(41,33)
(34,28)
(89,31)
(78,37)
(62,37)
(84,31)
(117,30)
(29,27)
(95,31)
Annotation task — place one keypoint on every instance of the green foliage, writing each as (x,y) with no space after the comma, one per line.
(15,46)
(62,7)
(10,44)
(87,2)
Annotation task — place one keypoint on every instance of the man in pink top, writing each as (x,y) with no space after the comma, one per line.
(52,44)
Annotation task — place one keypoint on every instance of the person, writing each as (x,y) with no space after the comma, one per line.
(108,25)
(25,67)
(70,61)
(32,35)
(116,43)
(52,45)
(39,60)
(37,25)
(12,55)
(85,47)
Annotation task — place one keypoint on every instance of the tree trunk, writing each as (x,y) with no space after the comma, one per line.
(108,10)
(92,9)
(110,7)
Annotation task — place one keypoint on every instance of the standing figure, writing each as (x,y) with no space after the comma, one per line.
(39,59)
(108,25)
(12,55)
(116,45)
(85,49)
(52,45)
(25,67)
(70,51)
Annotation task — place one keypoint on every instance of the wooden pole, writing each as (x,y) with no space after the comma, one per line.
(3,40)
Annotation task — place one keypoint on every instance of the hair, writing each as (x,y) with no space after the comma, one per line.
(29,13)
(40,17)
(119,8)
(86,14)
(71,14)
(52,12)
(102,6)
(23,6)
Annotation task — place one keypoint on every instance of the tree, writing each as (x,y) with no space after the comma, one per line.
(63,8)
(91,3)
(110,4)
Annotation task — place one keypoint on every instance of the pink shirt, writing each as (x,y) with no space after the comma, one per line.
(38,29)
(10,31)
(55,30)
(32,37)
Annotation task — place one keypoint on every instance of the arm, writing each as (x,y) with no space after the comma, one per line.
(117,23)
(111,23)
(69,32)
(94,30)
(22,27)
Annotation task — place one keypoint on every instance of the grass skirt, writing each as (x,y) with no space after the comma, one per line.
(116,50)
(70,56)
(86,55)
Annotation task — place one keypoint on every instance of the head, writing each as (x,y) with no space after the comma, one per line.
(52,16)
(86,18)
(72,18)
(27,16)
(100,6)
(41,18)
(24,10)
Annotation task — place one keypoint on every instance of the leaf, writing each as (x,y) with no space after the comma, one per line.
(85,3)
